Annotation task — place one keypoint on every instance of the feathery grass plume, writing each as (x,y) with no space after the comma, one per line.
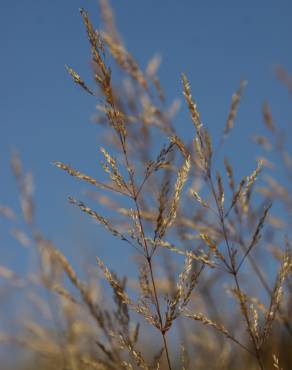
(279,190)
(115,284)
(287,160)
(91,364)
(187,281)
(135,333)
(38,339)
(192,107)
(143,309)
(86,178)
(93,36)
(181,146)
(135,355)
(99,218)
(268,119)
(7,212)
(284,77)
(126,365)
(146,293)
(276,363)
(21,237)
(285,269)
(266,162)
(231,265)
(116,120)
(153,166)
(185,360)
(136,231)
(93,308)
(102,73)
(245,198)
(140,308)
(262,141)
(256,236)
(243,302)
(109,19)
(208,147)
(276,222)
(219,327)
(236,197)
(183,276)
(113,170)
(181,179)
(125,60)
(161,95)
(220,191)
(199,199)
(256,303)
(121,314)
(202,142)
(204,258)
(151,73)
(229,172)
(26,188)
(161,160)
(200,160)
(77,79)
(16,165)
(153,65)
(234,107)
(255,324)
(163,196)
(212,245)
(65,293)
(11,276)
(64,263)
(176,304)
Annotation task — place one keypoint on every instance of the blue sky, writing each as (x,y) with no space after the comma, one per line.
(45,117)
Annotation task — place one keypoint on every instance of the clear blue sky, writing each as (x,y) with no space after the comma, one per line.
(46,117)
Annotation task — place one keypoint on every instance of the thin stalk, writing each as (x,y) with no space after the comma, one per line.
(135,195)
(159,312)
(234,271)
(157,305)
